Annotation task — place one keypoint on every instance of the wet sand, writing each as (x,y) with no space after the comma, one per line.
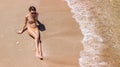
(61,40)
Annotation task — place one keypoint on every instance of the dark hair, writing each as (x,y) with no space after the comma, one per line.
(32,8)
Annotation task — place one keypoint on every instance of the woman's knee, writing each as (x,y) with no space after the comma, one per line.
(37,37)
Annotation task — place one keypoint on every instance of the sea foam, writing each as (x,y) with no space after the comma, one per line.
(96,26)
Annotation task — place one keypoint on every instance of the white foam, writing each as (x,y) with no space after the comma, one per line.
(87,16)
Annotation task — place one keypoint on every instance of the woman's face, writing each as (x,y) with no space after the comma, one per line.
(33,13)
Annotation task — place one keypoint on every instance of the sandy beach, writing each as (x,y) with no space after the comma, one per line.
(61,40)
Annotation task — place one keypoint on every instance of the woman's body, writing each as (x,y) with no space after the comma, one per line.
(31,23)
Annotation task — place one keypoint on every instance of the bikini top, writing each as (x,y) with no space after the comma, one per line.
(32,20)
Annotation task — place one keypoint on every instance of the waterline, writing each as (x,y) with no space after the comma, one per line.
(96,25)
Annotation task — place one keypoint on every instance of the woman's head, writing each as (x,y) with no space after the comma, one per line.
(32,8)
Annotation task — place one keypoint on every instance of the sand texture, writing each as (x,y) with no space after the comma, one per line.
(61,40)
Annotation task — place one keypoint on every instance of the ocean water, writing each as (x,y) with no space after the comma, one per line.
(99,22)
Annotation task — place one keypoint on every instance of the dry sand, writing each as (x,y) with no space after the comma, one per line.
(61,41)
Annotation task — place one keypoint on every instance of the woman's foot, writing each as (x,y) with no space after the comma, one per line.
(40,57)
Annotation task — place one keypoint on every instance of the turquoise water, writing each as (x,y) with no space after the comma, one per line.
(99,22)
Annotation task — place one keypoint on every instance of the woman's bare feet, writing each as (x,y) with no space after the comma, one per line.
(40,56)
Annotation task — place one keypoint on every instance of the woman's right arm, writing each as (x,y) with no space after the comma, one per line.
(24,27)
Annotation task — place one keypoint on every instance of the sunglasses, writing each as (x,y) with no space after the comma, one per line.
(33,13)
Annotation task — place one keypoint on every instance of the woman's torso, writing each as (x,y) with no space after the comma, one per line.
(32,21)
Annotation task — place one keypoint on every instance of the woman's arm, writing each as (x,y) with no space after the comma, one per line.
(38,22)
(24,27)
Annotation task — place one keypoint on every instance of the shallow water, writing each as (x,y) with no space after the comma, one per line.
(99,22)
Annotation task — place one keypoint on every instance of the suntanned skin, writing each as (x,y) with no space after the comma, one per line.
(31,24)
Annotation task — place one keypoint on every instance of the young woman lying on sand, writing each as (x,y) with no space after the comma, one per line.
(31,24)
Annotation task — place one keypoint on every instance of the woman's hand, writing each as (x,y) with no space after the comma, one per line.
(20,32)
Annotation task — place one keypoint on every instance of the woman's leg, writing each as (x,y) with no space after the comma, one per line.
(35,34)
(40,47)
(39,44)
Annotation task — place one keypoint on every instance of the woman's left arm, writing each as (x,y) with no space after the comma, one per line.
(38,22)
